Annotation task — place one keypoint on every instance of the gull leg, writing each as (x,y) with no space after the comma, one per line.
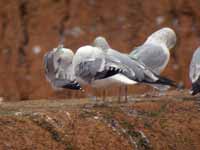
(90,95)
(156,93)
(161,93)
(126,93)
(150,93)
(95,91)
(119,94)
(198,104)
(104,95)
(153,93)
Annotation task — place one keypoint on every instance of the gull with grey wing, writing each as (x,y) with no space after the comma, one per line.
(58,68)
(194,72)
(154,53)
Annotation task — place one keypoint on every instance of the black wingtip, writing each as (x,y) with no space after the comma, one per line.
(72,86)
(111,71)
(195,88)
(166,81)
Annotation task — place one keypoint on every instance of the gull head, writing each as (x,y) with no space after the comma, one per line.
(62,56)
(101,42)
(87,53)
(165,36)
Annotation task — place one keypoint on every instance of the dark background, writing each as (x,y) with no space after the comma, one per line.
(28,29)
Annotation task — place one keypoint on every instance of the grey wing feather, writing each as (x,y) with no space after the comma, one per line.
(87,69)
(49,66)
(134,53)
(152,56)
(134,70)
(195,66)
(98,68)
(139,72)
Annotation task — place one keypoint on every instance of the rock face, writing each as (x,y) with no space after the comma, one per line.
(165,123)
(28,29)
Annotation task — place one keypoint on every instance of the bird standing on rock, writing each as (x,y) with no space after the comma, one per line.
(154,53)
(101,42)
(58,68)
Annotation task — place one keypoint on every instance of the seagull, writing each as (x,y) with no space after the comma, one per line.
(154,53)
(194,72)
(58,69)
(92,65)
(101,42)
